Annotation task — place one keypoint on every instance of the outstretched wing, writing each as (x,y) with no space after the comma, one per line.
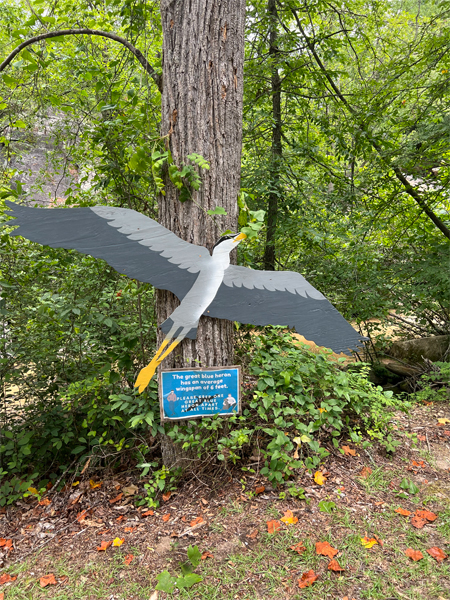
(130,242)
(282,298)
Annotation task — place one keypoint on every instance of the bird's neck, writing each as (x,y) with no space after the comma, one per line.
(221,259)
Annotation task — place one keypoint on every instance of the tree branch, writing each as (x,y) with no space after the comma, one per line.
(399,175)
(157,78)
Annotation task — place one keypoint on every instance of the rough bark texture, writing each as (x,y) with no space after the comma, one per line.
(277,151)
(203,55)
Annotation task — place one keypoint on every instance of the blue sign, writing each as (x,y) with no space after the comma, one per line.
(194,393)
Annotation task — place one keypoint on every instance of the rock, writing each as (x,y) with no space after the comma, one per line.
(415,351)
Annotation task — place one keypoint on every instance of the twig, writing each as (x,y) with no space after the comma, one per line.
(428,443)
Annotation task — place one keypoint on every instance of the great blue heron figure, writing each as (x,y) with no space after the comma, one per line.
(206,284)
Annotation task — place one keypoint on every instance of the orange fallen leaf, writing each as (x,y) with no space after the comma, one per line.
(165,518)
(206,555)
(426,514)
(93,485)
(289,518)
(418,463)
(104,546)
(129,529)
(196,521)
(366,471)
(319,478)
(422,438)
(299,548)
(253,534)
(325,549)
(446,432)
(121,518)
(204,501)
(273,526)
(104,532)
(333,565)
(378,540)
(47,580)
(2,596)
(414,554)
(166,496)
(81,516)
(403,512)
(117,498)
(348,451)
(5,578)
(307,579)
(368,542)
(260,489)
(417,522)
(128,558)
(45,502)
(118,542)
(437,553)
(148,513)
(5,543)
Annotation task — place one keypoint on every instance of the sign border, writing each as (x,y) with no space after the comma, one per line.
(190,418)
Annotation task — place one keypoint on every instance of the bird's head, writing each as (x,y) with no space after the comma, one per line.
(226,243)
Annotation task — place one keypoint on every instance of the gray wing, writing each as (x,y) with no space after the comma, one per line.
(282,298)
(130,242)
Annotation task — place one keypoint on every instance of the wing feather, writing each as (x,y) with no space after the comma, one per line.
(130,242)
(282,298)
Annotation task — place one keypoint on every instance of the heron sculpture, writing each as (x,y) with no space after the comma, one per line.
(206,284)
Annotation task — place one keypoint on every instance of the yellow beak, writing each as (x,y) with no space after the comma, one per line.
(240,237)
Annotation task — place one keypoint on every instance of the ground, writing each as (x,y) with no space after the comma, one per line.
(226,517)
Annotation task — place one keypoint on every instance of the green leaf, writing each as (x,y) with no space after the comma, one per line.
(186,568)
(166,583)
(217,211)
(20,124)
(188,581)
(409,486)
(194,555)
(326,507)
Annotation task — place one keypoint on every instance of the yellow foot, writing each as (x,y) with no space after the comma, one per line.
(145,374)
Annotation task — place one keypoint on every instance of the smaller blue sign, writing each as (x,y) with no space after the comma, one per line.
(195,393)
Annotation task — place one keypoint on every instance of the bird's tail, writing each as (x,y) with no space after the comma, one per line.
(145,374)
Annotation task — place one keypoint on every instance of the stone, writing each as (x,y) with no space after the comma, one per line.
(415,351)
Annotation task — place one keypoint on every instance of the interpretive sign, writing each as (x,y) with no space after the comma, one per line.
(196,393)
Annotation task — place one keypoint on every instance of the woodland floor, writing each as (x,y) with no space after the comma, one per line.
(241,559)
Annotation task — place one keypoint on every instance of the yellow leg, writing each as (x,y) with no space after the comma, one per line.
(145,374)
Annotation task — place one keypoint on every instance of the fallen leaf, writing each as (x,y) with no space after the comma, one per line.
(299,548)
(75,483)
(165,518)
(419,463)
(206,555)
(319,479)
(130,490)
(417,522)
(104,546)
(273,526)
(443,421)
(121,518)
(253,534)
(2,596)
(118,542)
(32,490)
(117,498)
(403,512)
(348,451)
(104,532)
(422,438)
(333,565)
(47,580)
(289,518)
(414,554)
(81,516)
(378,540)
(325,549)
(148,513)
(204,501)
(366,471)
(154,596)
(307,579)
(260,489)
(5,578)
(196,521)
(426,514)
(128,558)
(5,543)
(129,529)
(379,503)
(93,485)
(166,497)
(45,502)
(368,543)
(437,553)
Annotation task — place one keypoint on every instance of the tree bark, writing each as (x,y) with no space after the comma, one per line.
(203,57)
(277,151)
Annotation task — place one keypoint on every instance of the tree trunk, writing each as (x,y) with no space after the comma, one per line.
(275,187)
(203,56)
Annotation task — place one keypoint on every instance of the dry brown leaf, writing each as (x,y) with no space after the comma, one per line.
(348,451)
(253,534)
(333,565)
(426,514)
(325,549)
(417,522)
(204,501)
(154,596)
(414,554)
(81,516)
(307,579)
(2,596)
(260,489)
(148,513)
(47,580)
(299,548)
(128,558)
(94,485)
(196,521)
(166,497)
(437,553)
(104,546)
(5,578)
(366,471)
(121,518)
(403,512)
(130,529)
(273,526)
(206,555)
(165,518)
(117,498)
(5,543)
(130,490)
(45,502)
